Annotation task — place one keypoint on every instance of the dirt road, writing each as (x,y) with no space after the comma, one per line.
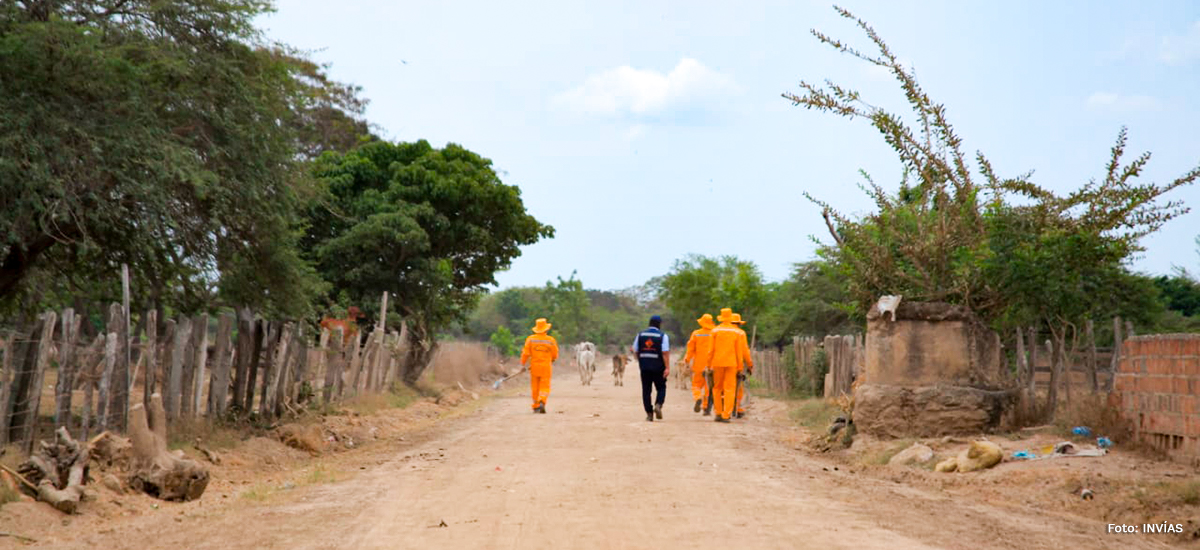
(594,474)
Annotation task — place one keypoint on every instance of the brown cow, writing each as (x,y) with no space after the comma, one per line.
(618,371)
(349,325)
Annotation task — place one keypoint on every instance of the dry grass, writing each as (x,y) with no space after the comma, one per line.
(399,397)
(184,432)
(814,414)
(465,362)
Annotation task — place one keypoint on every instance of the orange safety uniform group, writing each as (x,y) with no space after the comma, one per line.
(728,353)
(538,354)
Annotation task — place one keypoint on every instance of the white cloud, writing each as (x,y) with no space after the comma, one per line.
(1181,49)
(644,93)
(1108,101)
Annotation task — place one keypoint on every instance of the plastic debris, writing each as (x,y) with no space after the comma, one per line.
(1103,442)
(1082,431)
(1023,455)
(1086,494)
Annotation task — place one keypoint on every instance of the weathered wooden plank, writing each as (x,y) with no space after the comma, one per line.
(179,347)
(269,367)
(200,361)
(245,349)
(66,371)
(325,365)
(151,353)
(337,359)
(218,390)
(260,339)
(354,364)
(118,382)
(274,389)
(301,373)
(104,388)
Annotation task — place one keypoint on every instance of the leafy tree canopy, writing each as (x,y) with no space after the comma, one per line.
(432,226)
(699,284)
(164,135)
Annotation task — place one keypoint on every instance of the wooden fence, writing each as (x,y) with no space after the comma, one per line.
(784,372)
(233,364)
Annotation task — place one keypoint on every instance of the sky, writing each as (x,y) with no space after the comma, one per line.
(644,131)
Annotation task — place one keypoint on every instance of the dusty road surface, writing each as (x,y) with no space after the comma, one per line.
(594,474)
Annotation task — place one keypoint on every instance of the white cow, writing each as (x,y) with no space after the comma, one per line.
(585,357)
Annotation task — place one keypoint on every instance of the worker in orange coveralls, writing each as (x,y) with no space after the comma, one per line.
(538,355)
(727,354)
(743,373)
(699,348)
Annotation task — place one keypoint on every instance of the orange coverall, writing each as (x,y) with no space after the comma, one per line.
(539,353)
(749,362)
(728,353)
(699,350)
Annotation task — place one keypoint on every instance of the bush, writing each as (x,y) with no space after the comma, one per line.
(807,380)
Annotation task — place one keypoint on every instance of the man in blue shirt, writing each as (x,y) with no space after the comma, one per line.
(653,350)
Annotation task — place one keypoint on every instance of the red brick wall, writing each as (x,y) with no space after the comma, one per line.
(1158,386)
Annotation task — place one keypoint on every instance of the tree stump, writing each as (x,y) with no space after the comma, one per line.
(59,470)
(156,471)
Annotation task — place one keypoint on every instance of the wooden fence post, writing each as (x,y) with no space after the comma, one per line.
(90,372)
(321,371)
(302,373)
(183,334)
(270,344)
(117,405)
(1034,346)
(354,363)
(66,371)
(278,386)
(27,428)
(7,377)
(218,388)
(245,348)
(260,339)
(1116,355)
(333,360)
(104,384)
(151,356)
(200,330)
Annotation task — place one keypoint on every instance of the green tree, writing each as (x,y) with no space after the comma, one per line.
(1007,248)
(699,284)
(163,135)
(812,301)
(567,308)
(504,341)
(432,226)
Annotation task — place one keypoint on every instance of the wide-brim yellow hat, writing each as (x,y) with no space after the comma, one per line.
(705,320)
(541,326)
(737,319)
(726,314)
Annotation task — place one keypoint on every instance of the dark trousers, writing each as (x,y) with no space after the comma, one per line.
(653,377)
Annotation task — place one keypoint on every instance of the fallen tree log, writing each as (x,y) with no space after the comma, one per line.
(155,470)
(59,470)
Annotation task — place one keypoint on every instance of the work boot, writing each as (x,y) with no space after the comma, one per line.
(649,417)
(720,419)
(697,407)
(541,407)
(658,410)
(707,411)
(741,414)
